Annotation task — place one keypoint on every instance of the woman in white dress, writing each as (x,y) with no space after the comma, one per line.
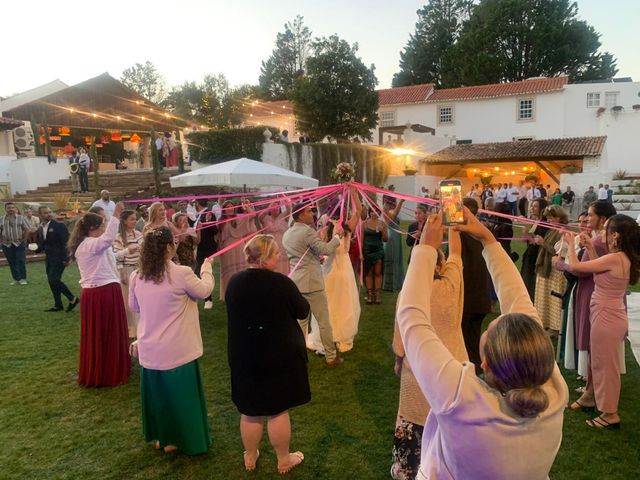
(341,288)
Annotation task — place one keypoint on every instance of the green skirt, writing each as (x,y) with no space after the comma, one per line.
(174,408)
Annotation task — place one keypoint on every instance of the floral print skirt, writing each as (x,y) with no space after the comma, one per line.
(407,446)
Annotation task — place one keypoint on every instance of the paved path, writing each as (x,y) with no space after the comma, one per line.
(633,306)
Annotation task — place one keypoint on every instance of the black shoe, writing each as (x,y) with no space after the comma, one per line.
(73,304)
(54,309)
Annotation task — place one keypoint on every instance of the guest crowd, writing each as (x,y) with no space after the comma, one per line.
(471,404)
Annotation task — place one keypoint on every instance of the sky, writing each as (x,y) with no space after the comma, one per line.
(76,40)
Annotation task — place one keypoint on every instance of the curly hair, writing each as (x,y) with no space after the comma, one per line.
(153,264)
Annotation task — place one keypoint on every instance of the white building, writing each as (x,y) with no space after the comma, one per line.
(531,110)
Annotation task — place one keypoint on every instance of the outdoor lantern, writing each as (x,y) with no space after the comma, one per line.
(116,137)
(41,140)
(125,136)
(135,138)
(64,131)
(104,139)
(88,140)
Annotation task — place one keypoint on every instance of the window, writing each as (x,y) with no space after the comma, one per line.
(593,99)
(388,118)
(463,142)
(525,109)
(445,115)
(522,139)
(610,99)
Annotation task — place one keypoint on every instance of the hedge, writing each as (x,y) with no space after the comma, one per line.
(215,146)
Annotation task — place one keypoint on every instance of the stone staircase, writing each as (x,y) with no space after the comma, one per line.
(122,185)
(626,195)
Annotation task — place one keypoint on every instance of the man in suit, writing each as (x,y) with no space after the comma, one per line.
(477,296)
(52,239)
(304,249)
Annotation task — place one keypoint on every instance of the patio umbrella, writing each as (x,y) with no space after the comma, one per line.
(243,173)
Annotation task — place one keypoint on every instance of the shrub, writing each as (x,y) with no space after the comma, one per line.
(215,146)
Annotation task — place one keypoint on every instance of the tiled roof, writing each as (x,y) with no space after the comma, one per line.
(402,95)
(525,87)
(9,123)
(555,148)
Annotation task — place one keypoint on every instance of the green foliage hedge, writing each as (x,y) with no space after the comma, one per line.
(215,146)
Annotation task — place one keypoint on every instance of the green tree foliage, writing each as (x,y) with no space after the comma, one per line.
(425,57)
(287,61)
(510,40)
(145,79)
(336,97)
(212,102)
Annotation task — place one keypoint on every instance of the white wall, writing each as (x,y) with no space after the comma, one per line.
(33,172)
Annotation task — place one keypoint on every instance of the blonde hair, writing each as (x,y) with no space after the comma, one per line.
(153,211)
(259,248)
(520,358)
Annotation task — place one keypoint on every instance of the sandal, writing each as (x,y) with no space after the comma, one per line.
(601,423)
(584,408)
(298,457)
(250,467)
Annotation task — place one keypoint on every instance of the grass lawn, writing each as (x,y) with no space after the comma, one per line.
(53,429)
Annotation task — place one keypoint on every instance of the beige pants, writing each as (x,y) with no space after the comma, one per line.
(320,309)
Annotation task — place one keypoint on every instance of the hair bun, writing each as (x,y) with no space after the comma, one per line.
(527,402)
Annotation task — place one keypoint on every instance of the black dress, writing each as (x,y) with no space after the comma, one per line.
(266,348)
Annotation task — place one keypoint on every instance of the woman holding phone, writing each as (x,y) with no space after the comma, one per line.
(493,427)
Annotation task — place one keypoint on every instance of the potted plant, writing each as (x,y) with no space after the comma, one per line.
(600,111)
(636,107)
(570,168)
(409,171)
(617,109)
(620,174)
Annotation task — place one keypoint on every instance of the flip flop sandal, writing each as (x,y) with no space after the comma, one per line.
(581,407)
(298,458)
(250,467)
(602,424)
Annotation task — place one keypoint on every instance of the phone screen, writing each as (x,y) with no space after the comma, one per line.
(451,200)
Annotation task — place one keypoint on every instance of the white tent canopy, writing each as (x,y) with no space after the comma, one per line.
(243,173)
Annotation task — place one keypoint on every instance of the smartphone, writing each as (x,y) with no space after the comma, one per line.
(451,202)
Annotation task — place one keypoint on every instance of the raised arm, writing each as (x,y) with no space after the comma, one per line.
(435,369)
(599,265)
(355,217)
(318,246)
(105,240)
(200,288)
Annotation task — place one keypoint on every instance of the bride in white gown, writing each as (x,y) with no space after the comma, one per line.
(341,288)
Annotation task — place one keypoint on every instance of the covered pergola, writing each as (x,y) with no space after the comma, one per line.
(518,158)
(101,109)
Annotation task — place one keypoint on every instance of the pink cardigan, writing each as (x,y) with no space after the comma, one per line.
(471,432)
(169,325)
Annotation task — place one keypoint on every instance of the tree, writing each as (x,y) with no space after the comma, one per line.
(145,80)
(287,61)
(424,58)
(336,96)
(510,40)
(212,102)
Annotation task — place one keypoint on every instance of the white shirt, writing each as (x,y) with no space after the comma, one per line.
(159,143)
(501,195)
(108,207)
(96,260)
(512,194)
(217,210)
(84,160)
(45,227)
(602,194)
(533,193)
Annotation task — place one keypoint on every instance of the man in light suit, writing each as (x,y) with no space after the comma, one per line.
(304,249)
(52,239)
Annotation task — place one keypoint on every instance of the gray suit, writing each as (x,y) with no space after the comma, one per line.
(301,241)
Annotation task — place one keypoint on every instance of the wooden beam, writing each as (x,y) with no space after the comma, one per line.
(547,171)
